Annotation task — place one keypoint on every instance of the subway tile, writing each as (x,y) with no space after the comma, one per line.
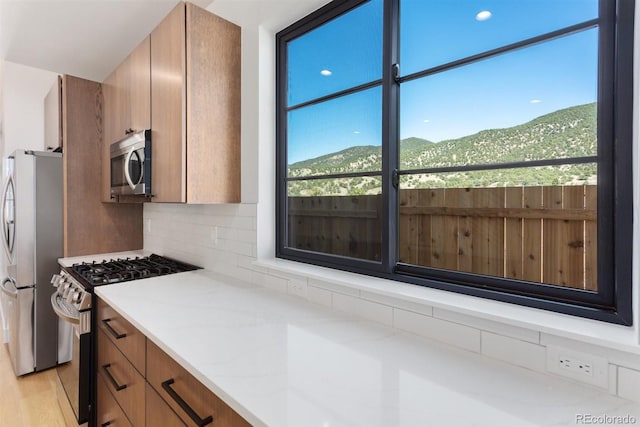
(319,295)
(233,246)
(297,287)
(437,329)
(240,235)
(270,282)
(334,288)
(613,379)
(427,310)
(363,308)
(248,263)
(488,325)
(629,384)
(514,351)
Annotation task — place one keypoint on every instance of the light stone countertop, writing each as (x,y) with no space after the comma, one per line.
(281,361)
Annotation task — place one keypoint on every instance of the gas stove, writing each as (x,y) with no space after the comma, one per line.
(73,302)
(124,270)
(75,284)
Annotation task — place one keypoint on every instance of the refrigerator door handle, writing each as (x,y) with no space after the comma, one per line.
(11,293)
(6,234)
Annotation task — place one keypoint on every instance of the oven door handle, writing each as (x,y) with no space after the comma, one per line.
(61,313)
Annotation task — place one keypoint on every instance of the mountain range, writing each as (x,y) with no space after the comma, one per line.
(570,132)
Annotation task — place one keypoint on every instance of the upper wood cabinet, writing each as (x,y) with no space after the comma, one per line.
(90,226)
(127,104)
(52,116)
(195,108)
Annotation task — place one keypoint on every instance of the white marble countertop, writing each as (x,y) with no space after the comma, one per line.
(281,361)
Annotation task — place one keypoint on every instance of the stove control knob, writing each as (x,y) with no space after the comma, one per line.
(55,280)
(73,297)
(66,288)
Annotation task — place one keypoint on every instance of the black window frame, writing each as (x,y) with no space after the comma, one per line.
(613,301)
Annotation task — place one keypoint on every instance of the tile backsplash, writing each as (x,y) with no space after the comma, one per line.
(223,238)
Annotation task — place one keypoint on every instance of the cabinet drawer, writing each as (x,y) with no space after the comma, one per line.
(109,412)
(124,382)
(186,394)
(123,334)
(159,413)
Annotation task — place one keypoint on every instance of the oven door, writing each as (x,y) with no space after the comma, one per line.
(75,375)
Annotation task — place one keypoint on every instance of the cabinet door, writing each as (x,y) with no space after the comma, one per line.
(168,107)
(129,340)
(123,381)
(109,412)
(213,108)
(187,396)
(113,124)
(138,88)
(53,116)
(159,413)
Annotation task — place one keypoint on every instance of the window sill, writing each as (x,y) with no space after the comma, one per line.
(617,337)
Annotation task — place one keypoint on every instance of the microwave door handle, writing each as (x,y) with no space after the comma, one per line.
(127,176)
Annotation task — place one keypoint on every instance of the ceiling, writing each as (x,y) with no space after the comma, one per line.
(85,38)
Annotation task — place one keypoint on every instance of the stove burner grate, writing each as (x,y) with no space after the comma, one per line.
(123,270)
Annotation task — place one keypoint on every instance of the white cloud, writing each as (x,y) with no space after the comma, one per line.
(483,16)
(326,72)
(535,101)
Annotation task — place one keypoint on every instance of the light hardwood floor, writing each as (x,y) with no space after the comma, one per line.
(30,400)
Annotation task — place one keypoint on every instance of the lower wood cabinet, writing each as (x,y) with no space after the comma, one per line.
(162,394)
(193,402)
(123,335)
(159,413)
(124,382)
(109,412)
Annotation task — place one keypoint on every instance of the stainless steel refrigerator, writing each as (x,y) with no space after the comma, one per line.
(32,238)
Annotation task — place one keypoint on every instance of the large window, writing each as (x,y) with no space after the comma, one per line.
(478,149)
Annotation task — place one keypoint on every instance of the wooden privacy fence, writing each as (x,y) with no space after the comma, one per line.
(540,234)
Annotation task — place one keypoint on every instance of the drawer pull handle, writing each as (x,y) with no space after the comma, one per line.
(113,332)
(113,381)
(192,414)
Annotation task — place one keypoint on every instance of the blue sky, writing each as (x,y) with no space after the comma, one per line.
(504,91)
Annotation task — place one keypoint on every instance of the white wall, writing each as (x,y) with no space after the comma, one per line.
(24,89)
(238,240)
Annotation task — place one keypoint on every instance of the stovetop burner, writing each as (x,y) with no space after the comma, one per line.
(123,270)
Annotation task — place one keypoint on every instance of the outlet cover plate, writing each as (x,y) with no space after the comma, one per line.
(571,363)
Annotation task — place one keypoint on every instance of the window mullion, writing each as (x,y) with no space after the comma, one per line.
(390,134)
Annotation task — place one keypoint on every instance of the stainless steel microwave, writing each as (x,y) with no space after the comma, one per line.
(131,164)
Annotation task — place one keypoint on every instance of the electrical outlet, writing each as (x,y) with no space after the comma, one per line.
(583,367)
(576,366)
(297,287)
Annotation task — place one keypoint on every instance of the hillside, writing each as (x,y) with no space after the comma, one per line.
(570,132)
